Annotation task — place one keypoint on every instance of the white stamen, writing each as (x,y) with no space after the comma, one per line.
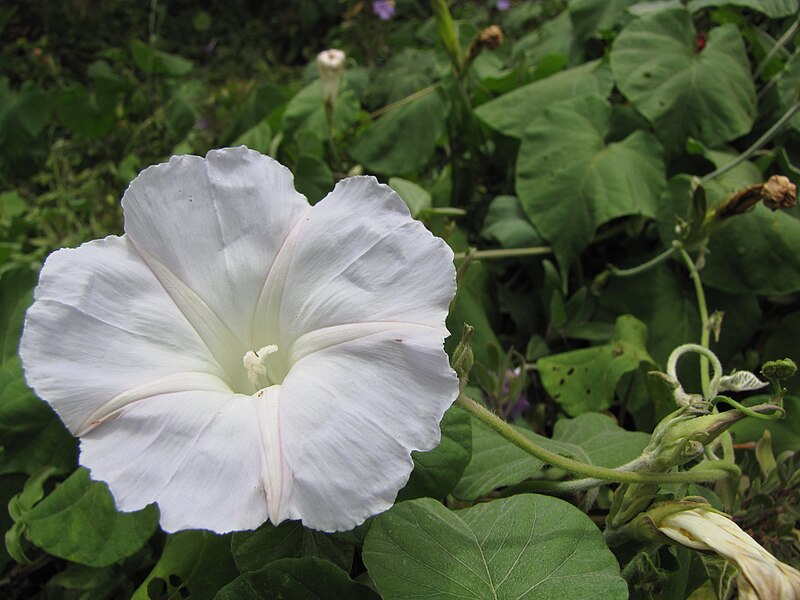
(254,363)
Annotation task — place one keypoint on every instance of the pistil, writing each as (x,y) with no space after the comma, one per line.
(255,363)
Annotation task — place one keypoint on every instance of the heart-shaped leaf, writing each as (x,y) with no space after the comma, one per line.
(566,173)
(685,91)
(526,547)
(511,113)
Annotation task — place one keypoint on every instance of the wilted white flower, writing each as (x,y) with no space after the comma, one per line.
(761,576)
(331,66)
(239,355)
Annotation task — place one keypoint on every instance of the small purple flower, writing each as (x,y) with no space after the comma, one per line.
(503,4)
(384,9)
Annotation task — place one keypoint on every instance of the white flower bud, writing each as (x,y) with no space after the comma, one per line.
(761,575)
(331,66)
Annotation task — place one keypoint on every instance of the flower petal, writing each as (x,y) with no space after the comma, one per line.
(352,412)
(195,453)
(102,333)
(216,224)
(358,256)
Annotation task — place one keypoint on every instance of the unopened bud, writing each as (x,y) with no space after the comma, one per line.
(463,358)
(779,192)
(778,370)
(491,38)
(331,66)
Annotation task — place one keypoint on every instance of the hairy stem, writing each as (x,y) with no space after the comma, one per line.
(580,468)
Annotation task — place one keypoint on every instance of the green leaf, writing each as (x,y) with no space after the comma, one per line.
(782,343)
(772,8)
(605,443)
(665,301)
(9,487)
(437,471)
(252,550)
(313,177)
(402,140)
(584,380)
(566,173)
(16,295)
(201,560)
(472,306)
(589,16)
(257,137)
(510,114)
(416,197)
(78,522)
(306,111)
(755,253)
(296,579)
(183,108)
(31,435)
(18,506)
(34,107)
(708,94)
(496,463)
(528,546)
(83,114)
(407,71)
(592,438)
(150,60)
(102,582)
(507,224)
(12,205)
(788,90)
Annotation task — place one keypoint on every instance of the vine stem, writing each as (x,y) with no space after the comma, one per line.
(580,468)
(776,47)
(705,333)
(505,253)
(768,135)
(403,101)
(645,266)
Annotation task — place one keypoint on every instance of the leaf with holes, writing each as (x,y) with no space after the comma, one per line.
(584,380)
(526,547)
(197,561)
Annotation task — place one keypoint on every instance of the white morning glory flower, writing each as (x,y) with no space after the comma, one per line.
(239,355)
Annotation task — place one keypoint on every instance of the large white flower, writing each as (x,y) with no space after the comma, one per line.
(239,355)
